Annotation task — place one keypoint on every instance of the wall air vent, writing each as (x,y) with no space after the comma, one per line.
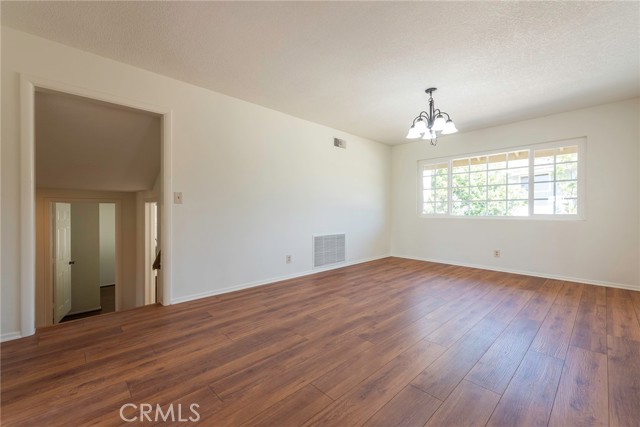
(340,143)
(329,249)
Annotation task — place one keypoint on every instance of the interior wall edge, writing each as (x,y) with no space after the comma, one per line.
(273,280)
(524,272)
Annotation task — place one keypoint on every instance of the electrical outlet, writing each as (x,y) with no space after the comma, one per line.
(496,253)
(177,197)
(288,259)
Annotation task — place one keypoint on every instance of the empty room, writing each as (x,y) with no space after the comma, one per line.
(320,213)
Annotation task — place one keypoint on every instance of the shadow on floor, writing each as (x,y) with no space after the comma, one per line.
(107,302)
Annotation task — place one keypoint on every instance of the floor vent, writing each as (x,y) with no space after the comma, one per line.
(329,249)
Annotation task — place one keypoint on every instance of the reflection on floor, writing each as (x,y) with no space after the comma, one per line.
(107,302)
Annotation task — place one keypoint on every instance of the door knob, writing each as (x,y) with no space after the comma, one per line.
(71,262)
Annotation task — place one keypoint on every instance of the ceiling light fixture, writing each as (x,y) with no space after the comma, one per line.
(427,124)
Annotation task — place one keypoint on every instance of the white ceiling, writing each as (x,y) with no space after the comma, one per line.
(362,67)
(90,145)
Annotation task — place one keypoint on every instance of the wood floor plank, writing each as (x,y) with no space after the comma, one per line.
(352,371)
(554,334)
(411,407)
(569,294)
(345,347)
(442,377)
(582,398)
(452,330)
(541,302)
(469,405)
(623,381)
(528,399)
(356,406)
(590,328)
(294,410)
(622,320)
(496,367)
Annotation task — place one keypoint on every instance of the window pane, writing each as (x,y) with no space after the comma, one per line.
(567,206)
(477,208)
(478,193)
(459,208)
(460,180)
(567,154)
(497,208)
(567,189)
(428,208)
(441,208)
(515,175)
(427,196)
(544,157)
(543,206)
(543,171)
(543,190)
(518,208)
(498,161)
(498,192)
(442,195)
(460,194)
(497,177)
(460,165)
(517,192)
(566,171)
(478,164)
(478,178)
(518,159)
(441,180)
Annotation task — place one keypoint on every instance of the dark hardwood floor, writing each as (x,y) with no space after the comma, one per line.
(107,304)
(393,342)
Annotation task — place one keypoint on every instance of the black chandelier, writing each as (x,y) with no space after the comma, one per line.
(427,124)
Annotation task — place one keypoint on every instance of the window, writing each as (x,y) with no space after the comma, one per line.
(435,189)
(499,184)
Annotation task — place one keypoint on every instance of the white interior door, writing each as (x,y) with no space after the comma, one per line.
(61,260)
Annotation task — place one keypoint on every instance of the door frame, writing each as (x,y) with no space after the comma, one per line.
(29,85)
(48,248)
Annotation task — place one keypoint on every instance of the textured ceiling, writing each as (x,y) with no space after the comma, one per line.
(362,67)
(89,145)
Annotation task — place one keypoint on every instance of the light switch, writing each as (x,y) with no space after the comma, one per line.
(177,197)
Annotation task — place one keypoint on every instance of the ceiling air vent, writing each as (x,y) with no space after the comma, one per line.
(340,143)
(329,249)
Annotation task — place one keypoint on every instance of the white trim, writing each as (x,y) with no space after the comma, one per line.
(524,272)
(9,336)
(273,280)
(28,85)
(27,208)
(84,311)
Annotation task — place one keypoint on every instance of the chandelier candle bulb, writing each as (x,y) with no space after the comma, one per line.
(428,123)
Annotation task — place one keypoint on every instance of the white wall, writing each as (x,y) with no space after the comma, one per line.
(257,184)
(604,248)
(107,244)
(85,251)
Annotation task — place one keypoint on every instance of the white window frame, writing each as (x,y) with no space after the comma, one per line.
(580,142)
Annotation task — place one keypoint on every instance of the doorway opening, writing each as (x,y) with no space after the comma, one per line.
(152,253)
(99,191)
(83,246)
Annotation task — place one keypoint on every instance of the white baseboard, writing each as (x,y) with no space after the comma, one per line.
(84,311)
(271,280)
(8,336)
(525,273)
